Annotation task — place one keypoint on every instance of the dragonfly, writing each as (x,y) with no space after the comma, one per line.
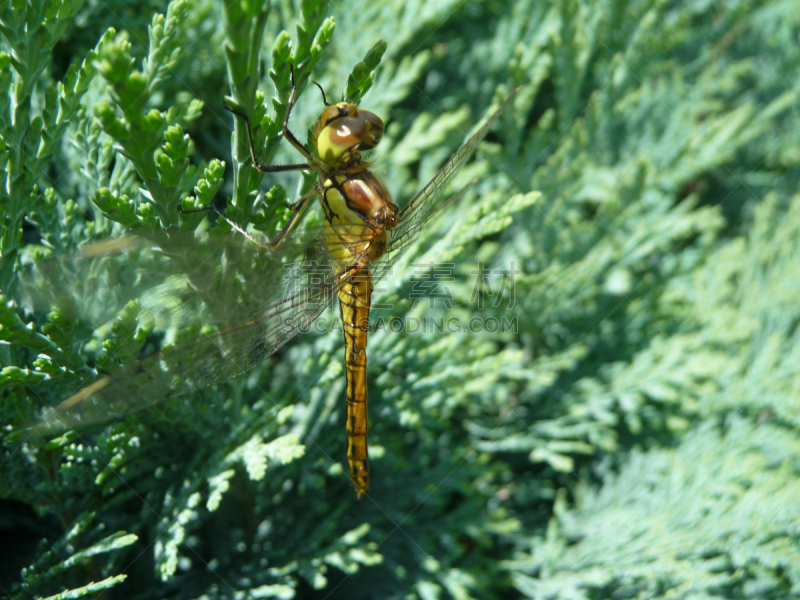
(363,232)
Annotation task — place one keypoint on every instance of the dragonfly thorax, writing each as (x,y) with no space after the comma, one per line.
(357,199)
(343,130)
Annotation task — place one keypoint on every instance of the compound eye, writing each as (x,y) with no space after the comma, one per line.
(347,131)
(339,137)
(374,129)
(361,130)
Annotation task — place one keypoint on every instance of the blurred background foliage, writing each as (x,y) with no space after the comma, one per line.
(634,437)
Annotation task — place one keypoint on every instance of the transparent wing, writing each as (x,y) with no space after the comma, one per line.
(180,279)
(431,200)
(192,364)
(259,299)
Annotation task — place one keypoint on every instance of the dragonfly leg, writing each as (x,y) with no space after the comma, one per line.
(233,224)
(256,164)
(298,208)
(288,134)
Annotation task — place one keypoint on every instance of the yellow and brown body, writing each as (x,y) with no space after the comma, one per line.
(358,213)
(354,303)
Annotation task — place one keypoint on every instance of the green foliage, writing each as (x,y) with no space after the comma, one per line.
(360,80)
(713,517)
(48,571)
(707,520)
(630,430)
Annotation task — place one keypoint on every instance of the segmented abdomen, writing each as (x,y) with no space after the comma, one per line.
(354,300)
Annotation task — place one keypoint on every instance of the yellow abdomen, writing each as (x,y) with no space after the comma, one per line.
(357,212)
(354,301)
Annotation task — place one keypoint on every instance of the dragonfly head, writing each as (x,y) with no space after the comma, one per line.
(343,130)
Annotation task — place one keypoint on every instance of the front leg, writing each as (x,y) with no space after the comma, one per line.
(298,209)
(288,134)
(258,165)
